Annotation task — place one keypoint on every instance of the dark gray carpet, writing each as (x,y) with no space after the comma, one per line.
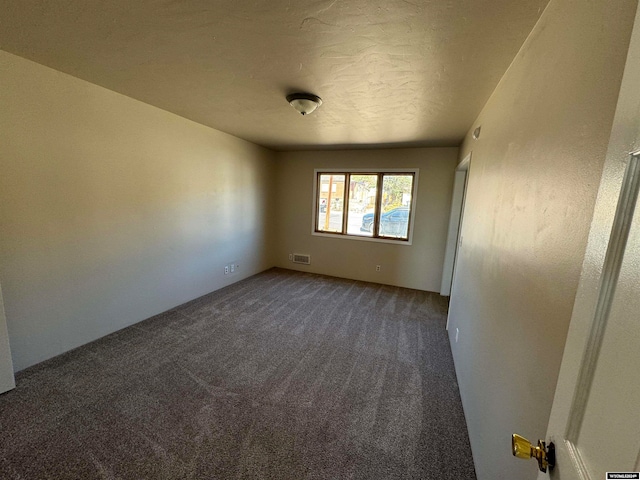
(284,375)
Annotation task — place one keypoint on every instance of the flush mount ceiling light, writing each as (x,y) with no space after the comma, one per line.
(305,103)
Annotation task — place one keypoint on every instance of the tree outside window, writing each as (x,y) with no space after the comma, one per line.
(368,204)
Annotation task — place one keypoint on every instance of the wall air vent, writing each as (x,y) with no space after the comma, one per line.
(300,258)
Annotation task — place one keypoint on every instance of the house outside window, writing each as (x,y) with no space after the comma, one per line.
(375,205)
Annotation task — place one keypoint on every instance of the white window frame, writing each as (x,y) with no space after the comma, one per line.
(345,236)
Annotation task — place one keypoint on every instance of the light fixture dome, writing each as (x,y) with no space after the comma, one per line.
(305,103)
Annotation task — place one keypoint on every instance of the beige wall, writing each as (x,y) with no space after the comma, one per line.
(534,176)
(112,210)
(414,266)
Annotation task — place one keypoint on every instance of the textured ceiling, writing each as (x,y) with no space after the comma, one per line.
(390,72)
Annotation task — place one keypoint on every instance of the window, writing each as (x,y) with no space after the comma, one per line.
(369,205)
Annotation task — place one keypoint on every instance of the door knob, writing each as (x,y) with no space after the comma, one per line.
(522,448)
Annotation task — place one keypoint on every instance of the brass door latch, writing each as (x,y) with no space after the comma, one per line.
(522,448)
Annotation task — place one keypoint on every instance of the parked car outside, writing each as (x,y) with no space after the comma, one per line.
(393,222)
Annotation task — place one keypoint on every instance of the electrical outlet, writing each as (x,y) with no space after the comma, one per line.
(291,256)
(232,267)
(226,269)
(457,333)
(377,268)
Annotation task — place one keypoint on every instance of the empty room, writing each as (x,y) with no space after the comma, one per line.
(321,239)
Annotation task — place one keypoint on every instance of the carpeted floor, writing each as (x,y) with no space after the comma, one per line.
(284,375)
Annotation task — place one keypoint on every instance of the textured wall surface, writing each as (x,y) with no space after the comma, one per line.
(112,210)
(534,176)
(414,266)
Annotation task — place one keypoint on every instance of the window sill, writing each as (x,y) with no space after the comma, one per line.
(363,238)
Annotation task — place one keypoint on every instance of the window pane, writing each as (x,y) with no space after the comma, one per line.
(396,202)
(330,203)
(362,202)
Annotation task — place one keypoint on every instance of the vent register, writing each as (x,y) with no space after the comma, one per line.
(301,258)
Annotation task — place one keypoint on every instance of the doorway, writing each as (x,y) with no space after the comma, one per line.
(455,224)
(6,366)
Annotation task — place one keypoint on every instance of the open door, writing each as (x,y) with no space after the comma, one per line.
(595,421)
(455,224)
(595,418)
(6,365)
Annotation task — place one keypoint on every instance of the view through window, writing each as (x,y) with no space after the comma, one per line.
(371,204)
